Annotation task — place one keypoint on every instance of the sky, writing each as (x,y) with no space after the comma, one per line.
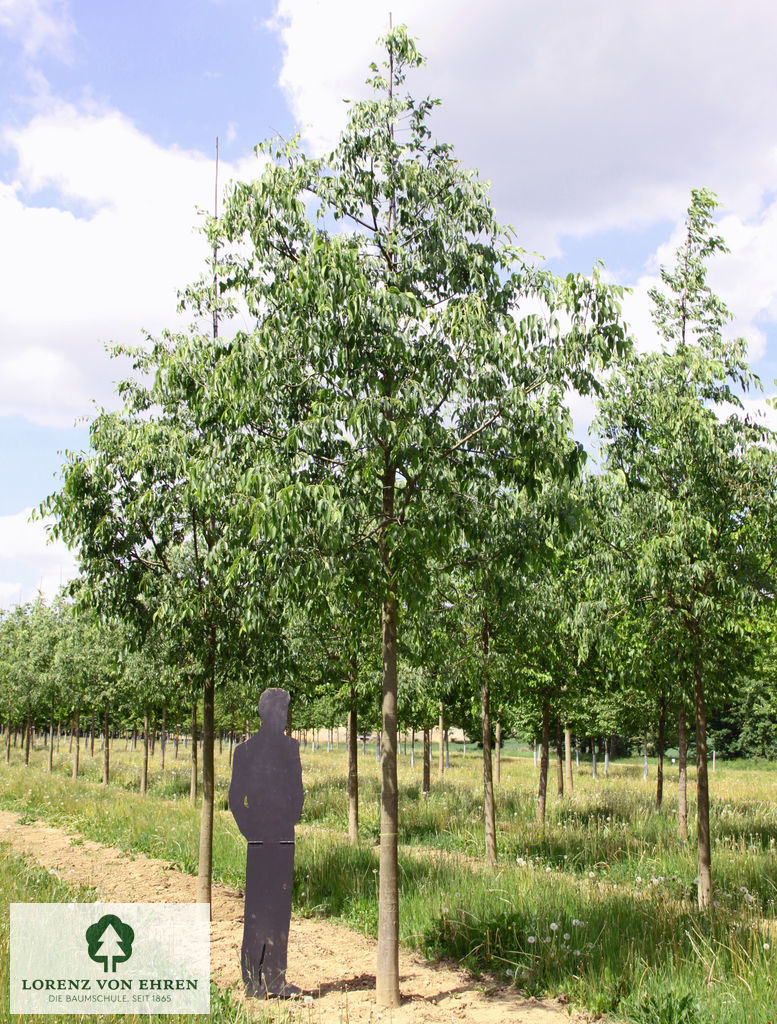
(592,122)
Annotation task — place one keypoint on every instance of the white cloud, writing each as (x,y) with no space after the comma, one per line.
(42,26)
(584,119)
(28,563)
(75,281)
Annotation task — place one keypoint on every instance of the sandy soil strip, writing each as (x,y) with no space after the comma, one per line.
(334,966)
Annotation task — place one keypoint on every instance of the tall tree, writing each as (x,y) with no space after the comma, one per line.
(404,376)
(699,482)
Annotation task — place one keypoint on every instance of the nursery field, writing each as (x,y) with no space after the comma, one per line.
(599,907)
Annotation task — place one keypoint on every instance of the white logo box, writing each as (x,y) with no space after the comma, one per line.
(145,958)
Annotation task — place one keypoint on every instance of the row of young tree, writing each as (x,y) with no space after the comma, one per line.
(360,456)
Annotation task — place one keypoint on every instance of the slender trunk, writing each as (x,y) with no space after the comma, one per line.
(412,747)
(447,749)
(28,730)
(535,755)
(661,740)
(498,773)
(163,739)
(51,743)
(441,751)
(607,744)
(205,868)
(231,745)
(77,731)
(59,733)
(594,772)
(682,781)
(644,759)
(543,787)
(8,739)
(353,770)
(702,792)
(152,747)
(387,974)
(577,751)
(106,748)
(193,779)
(568,757)
(133,741)
(91,736)
(427,784)
(144,764)
(559,759)
(489,812)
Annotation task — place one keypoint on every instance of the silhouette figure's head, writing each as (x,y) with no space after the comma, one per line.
(274,709)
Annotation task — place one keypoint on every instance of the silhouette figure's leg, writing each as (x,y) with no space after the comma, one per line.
(254,927)
(278,863)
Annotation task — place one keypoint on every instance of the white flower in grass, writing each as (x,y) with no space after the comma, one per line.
(531,939)
(766,945)
(567,936)
(575,952)
(554,927)
(592,874)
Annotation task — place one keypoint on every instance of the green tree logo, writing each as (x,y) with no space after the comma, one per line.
(110,941)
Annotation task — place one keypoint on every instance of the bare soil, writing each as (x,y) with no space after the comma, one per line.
(333,965)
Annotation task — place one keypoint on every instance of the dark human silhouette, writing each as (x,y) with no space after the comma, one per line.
(265,797)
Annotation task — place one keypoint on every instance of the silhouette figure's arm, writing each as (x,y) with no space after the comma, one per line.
(237,793)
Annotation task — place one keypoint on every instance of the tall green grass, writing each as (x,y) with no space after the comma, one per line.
(599,905)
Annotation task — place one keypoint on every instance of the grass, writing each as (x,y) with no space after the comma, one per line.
(599,905)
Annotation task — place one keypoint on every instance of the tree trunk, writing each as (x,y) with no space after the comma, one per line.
(427,783)
(498,773)
(607,744)
(144,764)
(441,751)
(412,747)
(543,787)
(106,748)
(152,747)
(8,740)
(163,739)
(704,851)
(91,736)
(682,782)
(193,779)
(77,731)
(59,733)
(559,759)
(568,757)
(205,868)
(387,974)
(489,812)
(51,743)
(353,770)
(644,759)
(661,741)
(231,745)
(28,730)
(594,772)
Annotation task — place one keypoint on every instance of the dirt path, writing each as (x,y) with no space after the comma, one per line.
(334,966)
